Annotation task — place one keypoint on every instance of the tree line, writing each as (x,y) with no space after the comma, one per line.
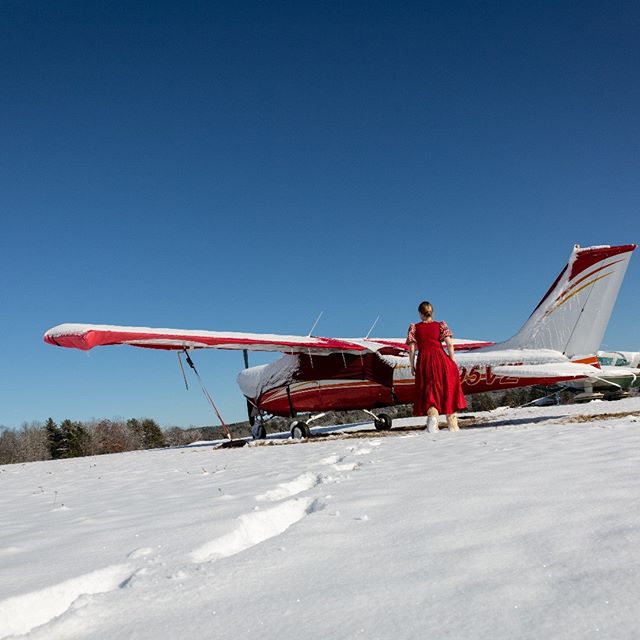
(72,439)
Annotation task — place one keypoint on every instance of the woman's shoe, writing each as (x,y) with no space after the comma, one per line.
(432,424)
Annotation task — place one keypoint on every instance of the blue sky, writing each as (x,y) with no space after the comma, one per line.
(246,165)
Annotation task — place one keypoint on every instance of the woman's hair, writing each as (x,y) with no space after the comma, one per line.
(426,309)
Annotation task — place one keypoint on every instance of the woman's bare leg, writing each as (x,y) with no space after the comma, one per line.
(432,420)
(452,422)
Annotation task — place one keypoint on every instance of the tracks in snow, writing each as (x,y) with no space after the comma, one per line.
(260,525)
(302,483)
(256,527)
(279,508)
(21,614)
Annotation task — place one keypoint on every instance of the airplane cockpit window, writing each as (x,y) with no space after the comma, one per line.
(613,360)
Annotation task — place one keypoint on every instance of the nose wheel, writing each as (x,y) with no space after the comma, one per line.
(382,422)
(300,430)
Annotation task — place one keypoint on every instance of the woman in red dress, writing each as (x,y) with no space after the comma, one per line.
(437,381)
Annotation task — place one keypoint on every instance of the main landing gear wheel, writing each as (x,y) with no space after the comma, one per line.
(300,430)
(259,432)
(382,422)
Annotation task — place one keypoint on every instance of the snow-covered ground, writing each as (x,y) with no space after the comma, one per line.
(526,527)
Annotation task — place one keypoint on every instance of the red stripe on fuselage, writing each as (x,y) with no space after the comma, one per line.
(364,394)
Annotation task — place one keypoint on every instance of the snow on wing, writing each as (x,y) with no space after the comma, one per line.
(559,370)
(87,336)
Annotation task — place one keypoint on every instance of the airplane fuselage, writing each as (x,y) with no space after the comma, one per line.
(322,383)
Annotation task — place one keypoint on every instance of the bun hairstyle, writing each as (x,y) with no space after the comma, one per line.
(426,309)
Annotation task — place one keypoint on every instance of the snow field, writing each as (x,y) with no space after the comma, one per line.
(507,531)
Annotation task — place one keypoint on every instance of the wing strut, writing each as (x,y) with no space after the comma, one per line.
(207,395)
(250,405)
(184,377)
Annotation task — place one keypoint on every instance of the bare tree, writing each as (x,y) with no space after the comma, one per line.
(176,437)
(33,441)
(9,447)
(111,437)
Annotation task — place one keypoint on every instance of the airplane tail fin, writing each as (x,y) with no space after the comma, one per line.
(573,315)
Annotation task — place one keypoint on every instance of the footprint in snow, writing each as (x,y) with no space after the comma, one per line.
(349,466)
(20,614)
(134,578)
(140,553)
(302,483)
(256,527)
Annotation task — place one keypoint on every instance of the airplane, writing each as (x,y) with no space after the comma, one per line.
(620,358)
(620,372)
(556,344)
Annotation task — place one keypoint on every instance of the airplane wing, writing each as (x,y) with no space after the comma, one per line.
(87,336)
(559,370)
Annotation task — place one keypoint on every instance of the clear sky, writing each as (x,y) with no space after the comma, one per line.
(246,165)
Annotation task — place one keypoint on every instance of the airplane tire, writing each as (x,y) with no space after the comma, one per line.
(300,430)
(382,422)
(259,432)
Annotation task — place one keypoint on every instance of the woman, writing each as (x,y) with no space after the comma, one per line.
(438,388)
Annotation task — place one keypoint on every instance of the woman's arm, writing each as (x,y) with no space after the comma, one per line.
(412,358)
(450,348)
(411,343)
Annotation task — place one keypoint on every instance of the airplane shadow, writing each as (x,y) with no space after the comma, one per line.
(509,422)
(366,429)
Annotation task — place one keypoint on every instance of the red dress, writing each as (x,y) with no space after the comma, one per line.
(437,378)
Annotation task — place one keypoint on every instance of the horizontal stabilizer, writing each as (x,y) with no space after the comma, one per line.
(558,370)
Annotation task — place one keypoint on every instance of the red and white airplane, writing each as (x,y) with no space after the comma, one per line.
(557,343)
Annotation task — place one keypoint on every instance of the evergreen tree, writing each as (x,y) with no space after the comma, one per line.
(152,435)
(55,439)
(76,439)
